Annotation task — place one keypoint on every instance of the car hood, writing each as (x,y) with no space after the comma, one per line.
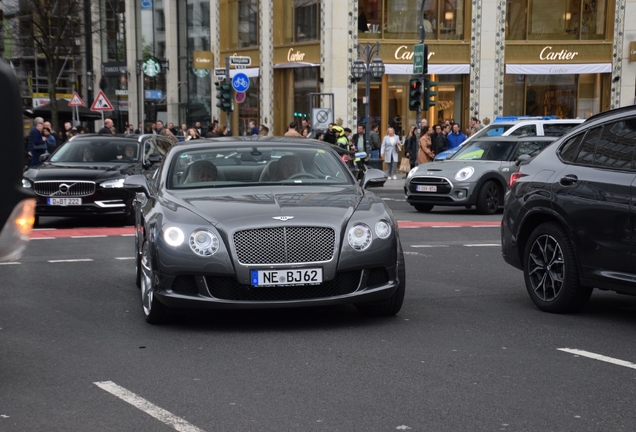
(232,208)
(59,171)
(450,167)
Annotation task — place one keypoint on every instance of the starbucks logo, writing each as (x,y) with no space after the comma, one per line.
(151,67)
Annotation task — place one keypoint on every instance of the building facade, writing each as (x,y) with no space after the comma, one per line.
(567,58)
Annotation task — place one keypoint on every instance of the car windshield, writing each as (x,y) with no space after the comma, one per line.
(485,150)
(249,165)
(91,151)
(492,130)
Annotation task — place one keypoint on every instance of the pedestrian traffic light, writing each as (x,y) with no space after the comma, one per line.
(415,94)
(429,93)
(224,95)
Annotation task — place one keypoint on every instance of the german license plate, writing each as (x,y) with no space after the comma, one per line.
(64,201)
(421,188)
(311,276)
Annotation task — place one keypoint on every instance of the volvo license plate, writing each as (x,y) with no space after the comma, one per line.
(311,276)
(64,201)
(421,188)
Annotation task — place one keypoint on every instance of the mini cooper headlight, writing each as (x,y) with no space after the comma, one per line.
(360,237)
(26,183)
(464,173)
(383,229)
(110,184)
(173,236)
(204,243)
(411,173)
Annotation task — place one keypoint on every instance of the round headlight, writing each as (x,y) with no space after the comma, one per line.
(383,229)
(360,237)
(411,173)
(204,243)
(173,236)
(26,183)
(464,173)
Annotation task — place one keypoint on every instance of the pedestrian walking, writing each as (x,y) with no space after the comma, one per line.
(107,129)
(37,142)
(389,151)
(456,137)
(425,154)
(410,146)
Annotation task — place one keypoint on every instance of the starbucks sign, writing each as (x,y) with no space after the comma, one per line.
(151,67)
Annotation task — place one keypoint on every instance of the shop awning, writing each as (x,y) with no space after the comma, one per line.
(293,65)
(250,72)
(434,69)
(558,69)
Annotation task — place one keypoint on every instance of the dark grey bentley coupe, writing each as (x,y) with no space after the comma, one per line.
(263,222)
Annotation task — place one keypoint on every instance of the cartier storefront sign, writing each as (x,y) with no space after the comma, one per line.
(202,60)
(563,53)
(309,53)
(437,53)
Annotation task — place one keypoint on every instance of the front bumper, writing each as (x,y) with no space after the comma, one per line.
(225,291)
(111,202)
(447,194)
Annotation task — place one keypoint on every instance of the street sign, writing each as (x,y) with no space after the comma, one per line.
(240,82)
(418,59)
(240,61)
(153,94)
(101,103)
(121,92)
(239,97)
(220,73)
(321,117)
(75,100)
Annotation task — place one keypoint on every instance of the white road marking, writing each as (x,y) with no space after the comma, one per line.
(44,238)
(429,246)
(88,236)
(446,226)
(44,229)
(125,258)
(485,226)
(142,404)
(127,235)
(10,263)
(483,245)
(411,253)
(598,357)
(71,260)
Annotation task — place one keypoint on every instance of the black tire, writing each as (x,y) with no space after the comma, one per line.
(550,271)
(489,198)
(137,264)
(393,304)
(423,208)
(154,311)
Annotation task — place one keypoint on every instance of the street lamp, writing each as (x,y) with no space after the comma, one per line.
(368,66)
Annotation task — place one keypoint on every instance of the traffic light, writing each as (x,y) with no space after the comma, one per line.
(415,94)
(429,93)
(224,95)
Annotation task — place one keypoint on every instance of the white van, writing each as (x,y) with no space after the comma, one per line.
(520,126)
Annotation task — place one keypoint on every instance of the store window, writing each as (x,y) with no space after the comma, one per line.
(249,110)
(153,43)
(194,35)
(556,19)
(247,23)
(399,19)
(305,82)
(563,96)
(115,33)
(305,18)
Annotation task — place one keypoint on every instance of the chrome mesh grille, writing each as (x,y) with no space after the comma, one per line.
(74,188)
(285,245)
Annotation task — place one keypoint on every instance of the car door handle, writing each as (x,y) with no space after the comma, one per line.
(569,179)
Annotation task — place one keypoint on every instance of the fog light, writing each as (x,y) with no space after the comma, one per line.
(461,194)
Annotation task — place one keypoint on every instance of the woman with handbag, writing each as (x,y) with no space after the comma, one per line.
(389,151)
(425,154)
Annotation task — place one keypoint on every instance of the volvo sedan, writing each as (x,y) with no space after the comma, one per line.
(263,222)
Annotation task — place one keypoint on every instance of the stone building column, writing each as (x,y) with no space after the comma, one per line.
(489,68)
(134,112)
(623,72)
(266,37)
(215,47)
(172,55)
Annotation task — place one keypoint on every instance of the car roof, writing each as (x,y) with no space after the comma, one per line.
(255,140)
(524,122)
(617,113)
(509,138)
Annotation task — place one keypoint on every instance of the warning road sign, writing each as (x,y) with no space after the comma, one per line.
(76,100)
(101,103)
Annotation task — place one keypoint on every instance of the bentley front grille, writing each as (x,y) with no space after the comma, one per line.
(62,189)
(285,245)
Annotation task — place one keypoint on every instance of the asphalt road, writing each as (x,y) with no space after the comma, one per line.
(468,351)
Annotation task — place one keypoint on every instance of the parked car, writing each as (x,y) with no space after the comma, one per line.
(569,218)
(17,205)
(477,175)
(85,176)
(521,127)
(296,230)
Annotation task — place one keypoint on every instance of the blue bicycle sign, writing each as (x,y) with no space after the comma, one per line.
(240,82)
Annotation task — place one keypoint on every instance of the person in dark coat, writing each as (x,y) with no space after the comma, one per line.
(107,129)
(410,147)
(37,144)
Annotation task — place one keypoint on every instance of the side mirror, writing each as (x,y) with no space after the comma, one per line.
(44,157)
(373,178)
(523,157)
(153,159)
(138,184)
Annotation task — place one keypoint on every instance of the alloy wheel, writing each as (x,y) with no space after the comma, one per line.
(546,268)
(146,280)
(492,198)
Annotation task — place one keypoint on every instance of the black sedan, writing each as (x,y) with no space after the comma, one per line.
(85,177)
(258,222)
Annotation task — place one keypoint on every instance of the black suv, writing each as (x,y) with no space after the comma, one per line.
(570,215)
